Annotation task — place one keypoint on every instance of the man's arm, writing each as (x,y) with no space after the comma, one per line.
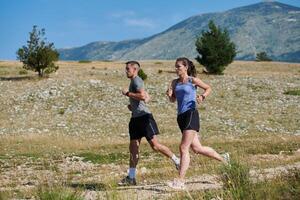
(139,95)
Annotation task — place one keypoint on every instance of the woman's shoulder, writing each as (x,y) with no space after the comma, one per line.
(175,81)
(194,79)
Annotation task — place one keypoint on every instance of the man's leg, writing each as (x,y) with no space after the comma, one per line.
(156,146)
(134,156)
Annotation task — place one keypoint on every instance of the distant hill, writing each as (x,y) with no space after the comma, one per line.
(268,26)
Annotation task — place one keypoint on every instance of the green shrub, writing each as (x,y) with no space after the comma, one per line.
(142,74)
(293,92)
(84,61)
(23,72)
(160,71)
(61,111)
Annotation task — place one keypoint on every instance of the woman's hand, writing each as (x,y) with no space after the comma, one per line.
(169,92)
(200,99)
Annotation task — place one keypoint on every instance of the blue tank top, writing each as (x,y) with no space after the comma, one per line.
(186,96)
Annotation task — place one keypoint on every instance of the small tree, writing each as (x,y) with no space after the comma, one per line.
(215,49)
(38,55)
(262,56)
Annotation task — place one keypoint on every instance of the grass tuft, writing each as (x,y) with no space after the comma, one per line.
(236,180)
(57,194)
(295,92)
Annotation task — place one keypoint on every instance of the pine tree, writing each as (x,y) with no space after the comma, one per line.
(38,55)
(215,49)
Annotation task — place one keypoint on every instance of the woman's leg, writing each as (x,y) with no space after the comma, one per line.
(186,141)
(206,151)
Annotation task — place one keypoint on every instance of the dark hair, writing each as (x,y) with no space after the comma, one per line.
(191,71)
(133,62)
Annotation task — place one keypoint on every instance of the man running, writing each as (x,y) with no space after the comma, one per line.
(142,123)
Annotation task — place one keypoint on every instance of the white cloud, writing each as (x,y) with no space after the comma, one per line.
(145,23)
(122,14)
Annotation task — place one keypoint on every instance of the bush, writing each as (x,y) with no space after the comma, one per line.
(142,74)
(160,71)
(23,72)
(293,92)
(84,61)
(262,56)
(215,49)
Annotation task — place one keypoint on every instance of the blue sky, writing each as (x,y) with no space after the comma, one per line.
(71,23)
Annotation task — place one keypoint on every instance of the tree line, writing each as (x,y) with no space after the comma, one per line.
(214,46)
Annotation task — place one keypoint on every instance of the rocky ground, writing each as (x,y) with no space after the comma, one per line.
(84,101)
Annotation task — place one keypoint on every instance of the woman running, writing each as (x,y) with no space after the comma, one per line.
(183,90)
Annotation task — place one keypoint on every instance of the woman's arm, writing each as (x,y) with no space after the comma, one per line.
(171,91)
(204,86)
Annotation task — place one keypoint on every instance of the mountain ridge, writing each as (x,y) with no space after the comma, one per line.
(254,28)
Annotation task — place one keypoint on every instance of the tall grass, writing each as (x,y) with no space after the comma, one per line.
(236,180)
(285,186)
(238,185)
(56,194)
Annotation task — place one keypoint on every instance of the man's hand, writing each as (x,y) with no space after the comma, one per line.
(129,107)
(147,97)
(125,91)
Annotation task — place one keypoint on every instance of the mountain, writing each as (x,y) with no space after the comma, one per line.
(272,27)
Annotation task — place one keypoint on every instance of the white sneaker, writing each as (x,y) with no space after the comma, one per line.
(176,184)
(226,157)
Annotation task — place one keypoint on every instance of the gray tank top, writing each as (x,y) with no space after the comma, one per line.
(139,108)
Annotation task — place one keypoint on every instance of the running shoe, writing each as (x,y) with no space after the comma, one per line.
(226,157)
(127,181)
(176,185)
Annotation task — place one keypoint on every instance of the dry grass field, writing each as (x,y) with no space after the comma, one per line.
(68,133)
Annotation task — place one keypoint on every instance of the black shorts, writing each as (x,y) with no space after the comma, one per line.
(189,120)
(144,126)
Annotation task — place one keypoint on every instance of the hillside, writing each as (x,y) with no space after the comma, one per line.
(268,26)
